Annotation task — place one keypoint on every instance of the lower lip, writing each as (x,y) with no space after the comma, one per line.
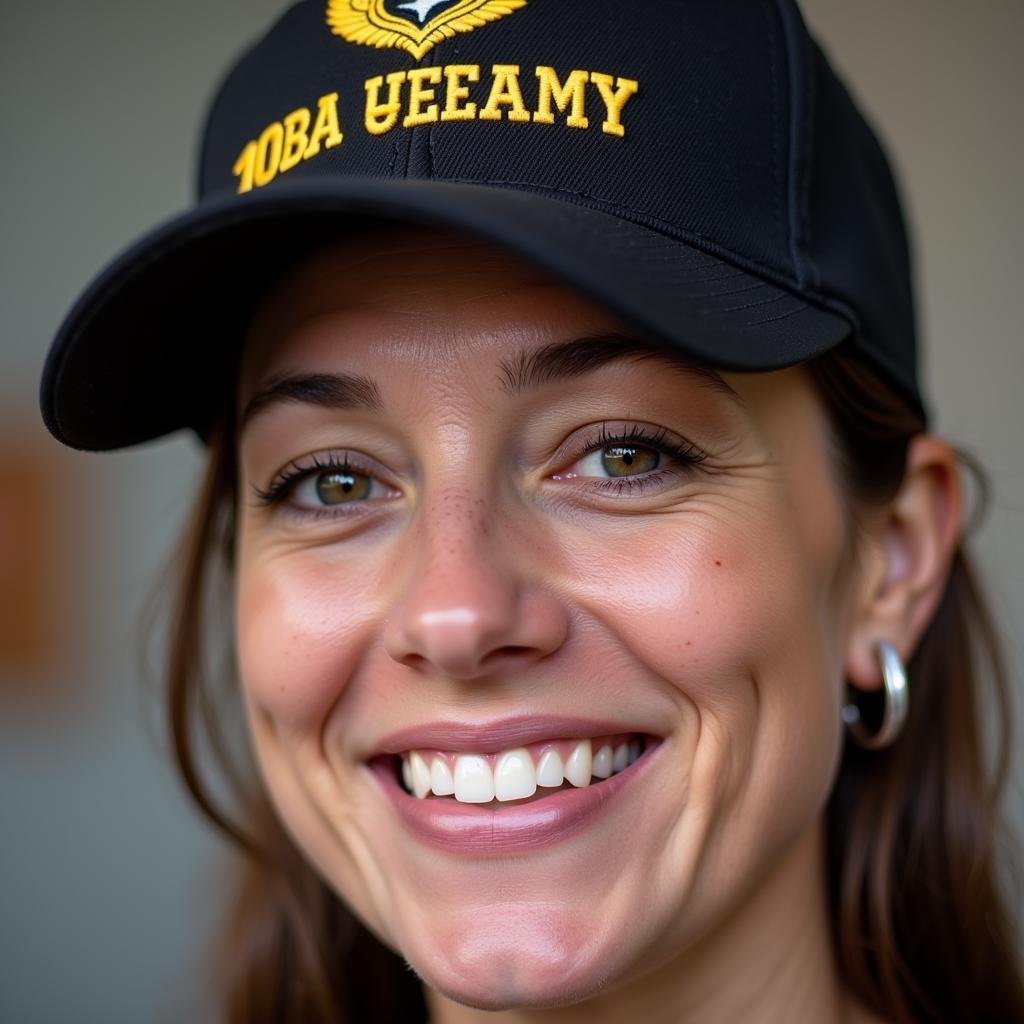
(475,830)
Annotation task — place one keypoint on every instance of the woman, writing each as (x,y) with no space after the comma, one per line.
(569,466)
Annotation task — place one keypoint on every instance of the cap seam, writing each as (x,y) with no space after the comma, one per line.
(776,191)
(804,231)
(393,162)
(794,34)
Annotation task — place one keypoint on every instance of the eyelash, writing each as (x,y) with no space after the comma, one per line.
(684,455)
(285,482)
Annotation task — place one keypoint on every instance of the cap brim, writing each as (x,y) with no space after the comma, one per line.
(145,350)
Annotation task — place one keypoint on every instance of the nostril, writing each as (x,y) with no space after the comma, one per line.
(510,652)
(470,666)
(415,661)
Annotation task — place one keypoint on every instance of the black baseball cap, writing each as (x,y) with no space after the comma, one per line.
(694,166)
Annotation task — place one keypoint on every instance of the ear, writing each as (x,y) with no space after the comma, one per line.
(905,555)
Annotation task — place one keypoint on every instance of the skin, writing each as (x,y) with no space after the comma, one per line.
(723,609)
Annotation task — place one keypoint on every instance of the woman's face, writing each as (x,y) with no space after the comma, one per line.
(476,519)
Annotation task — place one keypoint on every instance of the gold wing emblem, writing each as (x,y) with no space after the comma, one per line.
(368,22)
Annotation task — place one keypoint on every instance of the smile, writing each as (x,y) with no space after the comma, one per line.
(514,786)
(517,774)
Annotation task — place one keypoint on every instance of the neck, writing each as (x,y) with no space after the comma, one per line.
(770,960)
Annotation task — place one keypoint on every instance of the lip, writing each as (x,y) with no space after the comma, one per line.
(502,734)
(472,830)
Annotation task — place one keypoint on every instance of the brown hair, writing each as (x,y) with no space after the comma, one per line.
(921,929)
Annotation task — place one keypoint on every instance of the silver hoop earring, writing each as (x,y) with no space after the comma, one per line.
(894,675)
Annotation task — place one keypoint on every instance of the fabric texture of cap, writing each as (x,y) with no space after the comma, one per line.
(695,167)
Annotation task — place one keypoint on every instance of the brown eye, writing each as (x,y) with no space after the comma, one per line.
(629,460)
(342,487)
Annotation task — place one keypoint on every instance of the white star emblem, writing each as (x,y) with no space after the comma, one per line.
(421,7)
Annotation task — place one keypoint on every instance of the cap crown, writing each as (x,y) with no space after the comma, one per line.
(718,123)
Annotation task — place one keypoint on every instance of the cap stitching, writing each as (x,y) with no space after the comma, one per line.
(733,272)
(752,305)
(781,316)
(408,151)
(745,288)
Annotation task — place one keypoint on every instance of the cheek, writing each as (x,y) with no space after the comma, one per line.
(301,625)
(710,590)
(735,604)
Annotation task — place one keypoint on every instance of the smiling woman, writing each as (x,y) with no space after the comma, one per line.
(450,575)
(567,546)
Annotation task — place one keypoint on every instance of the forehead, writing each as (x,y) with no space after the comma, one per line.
(400,295)
(403,306)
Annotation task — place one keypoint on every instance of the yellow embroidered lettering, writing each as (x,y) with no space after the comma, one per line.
(268,154)
(245,167)
(382,117)
(614,100)
(550,88)
(418,96)
(505,92)
(326,131)
(296,138)
(455,73)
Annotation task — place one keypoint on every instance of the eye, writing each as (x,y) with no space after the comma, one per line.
(629,459)
(620,460)
(335,487)
(324,484)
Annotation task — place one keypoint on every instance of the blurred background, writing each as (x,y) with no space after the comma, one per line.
(109,882)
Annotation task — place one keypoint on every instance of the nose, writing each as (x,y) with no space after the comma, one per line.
(470,606)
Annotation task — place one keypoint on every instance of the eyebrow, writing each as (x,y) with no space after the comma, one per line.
(329,390)
(526,371)
(565,360)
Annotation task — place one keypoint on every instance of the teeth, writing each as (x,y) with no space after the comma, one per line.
(441,781)
(578,764)
(470,778)
(550,773)
(420,775)
(474,781)
(602,766)
(514,776)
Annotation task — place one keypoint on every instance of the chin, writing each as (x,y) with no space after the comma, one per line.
(530,959)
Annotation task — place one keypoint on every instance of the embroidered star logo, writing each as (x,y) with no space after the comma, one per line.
(370,23)
(421,8)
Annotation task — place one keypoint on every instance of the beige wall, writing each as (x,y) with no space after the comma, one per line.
(106,873)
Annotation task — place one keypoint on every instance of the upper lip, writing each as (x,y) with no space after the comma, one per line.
(497,734)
